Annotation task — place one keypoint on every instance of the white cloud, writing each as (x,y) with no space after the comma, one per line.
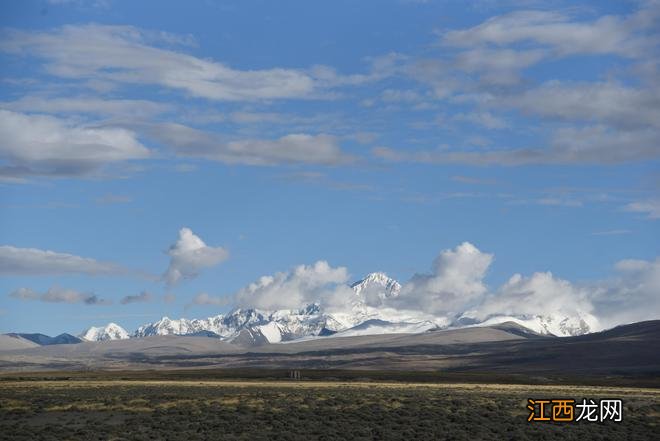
(605,122)
(538,294)
(456,288)
(619,35)
(59,295)
(602,145)
(38,144)
(491,56)
(34,262)
(651,208)
(189,255)
(628,297)
(455,282)
(303,284)
(594,145)
(611,103)
(124,108)
(298,148)
(126,54)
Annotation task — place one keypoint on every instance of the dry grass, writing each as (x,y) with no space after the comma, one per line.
(306,410)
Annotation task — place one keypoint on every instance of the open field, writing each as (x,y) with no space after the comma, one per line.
(122,406)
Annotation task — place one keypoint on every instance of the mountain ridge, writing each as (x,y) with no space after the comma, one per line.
(366,313)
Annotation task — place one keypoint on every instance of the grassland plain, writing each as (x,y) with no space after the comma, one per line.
(120,407)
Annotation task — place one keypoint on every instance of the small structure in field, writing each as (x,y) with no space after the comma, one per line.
(294,375)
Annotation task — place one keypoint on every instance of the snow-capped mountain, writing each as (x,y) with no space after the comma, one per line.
(286,324)
(275,326)
(111,331)
(378,285)
(547,324)
(369,303)
(167,326)
(369,311)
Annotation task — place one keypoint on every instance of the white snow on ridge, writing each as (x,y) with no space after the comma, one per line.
(549,324)
(111,331)
(371,327)
(271,331)
(377,284)
(368,312)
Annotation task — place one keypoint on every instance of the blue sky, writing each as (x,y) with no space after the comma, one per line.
(371,135)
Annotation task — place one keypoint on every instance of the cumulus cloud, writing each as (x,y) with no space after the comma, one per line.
(143,297)
(303,284)
(456,289)
(455,282)
(538,294)
(189,255)
(35,262)
(45,145)
(629,296)
(59,295)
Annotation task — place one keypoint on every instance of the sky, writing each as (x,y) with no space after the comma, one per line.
(181,159)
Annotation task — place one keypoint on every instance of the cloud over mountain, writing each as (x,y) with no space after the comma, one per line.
(456,281)
(456,288)
(295,288)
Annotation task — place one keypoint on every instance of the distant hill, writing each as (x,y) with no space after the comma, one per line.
(45,340)
(10,342)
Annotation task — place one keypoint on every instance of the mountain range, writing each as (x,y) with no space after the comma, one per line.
(626,353)
(255,326)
